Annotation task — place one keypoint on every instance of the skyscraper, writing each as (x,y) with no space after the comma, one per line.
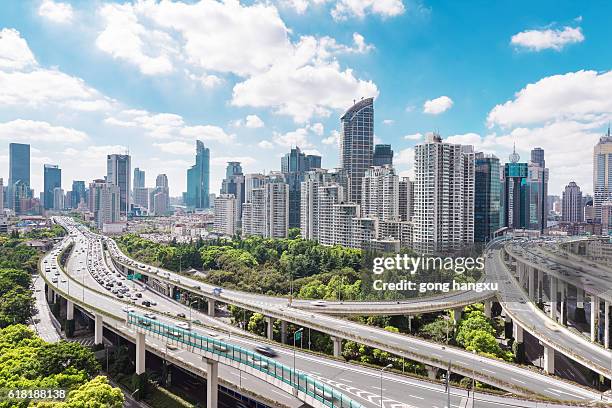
(443,194)
(293,166)
(78,193)
(161,196)
(516,193)
(602,173)
(383,155)
(406,199)
(251,182)
(52,180)
(380,194)
(119,174)
(571,204)
(356,144)
(139,178)
(537,156)
(58,199)
(234,184)
(487,197)
(225,214)
(537,180)
(233,168)
(198,179)
(267,214)
(19,169)
(104,202)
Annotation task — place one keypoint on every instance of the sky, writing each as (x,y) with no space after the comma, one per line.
(251,79)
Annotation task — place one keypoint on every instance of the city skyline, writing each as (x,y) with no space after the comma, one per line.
(509,94)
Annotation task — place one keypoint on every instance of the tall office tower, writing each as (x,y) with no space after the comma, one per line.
(602,173)
(105,202)
(406,199)
(537,156)
(139,178)
(252,181)
(233,183)
(143,199)
(19,170)
(161,181)
(52,179)
(1,195)
(21,200)
(119,174)
(383,155)
(225,214)
(516,193)
(380,194)
(58,199)
(356,144)
(571,205)
(538,190)
(161,195)
(293,166)
(606,218)
(79,193)
(487,197)
(443,194)
(198,179)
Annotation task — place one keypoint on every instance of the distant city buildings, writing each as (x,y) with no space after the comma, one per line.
(515,195)
(19,172)
(105,202)
(234,184)
(602,174)
(52,180)
(225,215)
(198,180)
(572,209)
(139,178)
(487,200)
(383,155)
(118,173)
(267,213)
(294,166)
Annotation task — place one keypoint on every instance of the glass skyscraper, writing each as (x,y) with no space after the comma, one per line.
(294,166)
(198,179)
(19,169)
(602,174)
(78,193)
(357,143)
(119,174)
(139,178)
(52,180)
(516,194)
(383,155)
(487,197)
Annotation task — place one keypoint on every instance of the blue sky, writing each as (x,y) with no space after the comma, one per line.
(80,79)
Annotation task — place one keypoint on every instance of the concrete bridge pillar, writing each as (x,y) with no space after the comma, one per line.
(553,298)
(549,360)
(270,328)
(507,327)
(283,330)
(540,287)
(607,325)
(531,283)
(211,307)
(337,346)
(432,372)
(140,353)
(69,328)
(487,308)
(518,339)
(563,302)
(594,313)
(50,294)
(579,315)
(520,269)
(98,329)
(457,315)
(212,383)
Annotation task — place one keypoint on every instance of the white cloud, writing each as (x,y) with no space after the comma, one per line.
(206,80)
(414,136)
(176,147)
(57,12)
(222,161)
(264,144)
(38,131)
(298,137)
(334,138)
(317,128)
(538,40)
(345,9)
(582,95)
(253,122)
(437,105)
(207,133)
(404,161)
(314,152)
(14,50)
(388,122)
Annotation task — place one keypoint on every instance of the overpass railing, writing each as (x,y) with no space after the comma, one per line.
(325,394)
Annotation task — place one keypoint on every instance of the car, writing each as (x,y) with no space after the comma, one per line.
(258,362)
(127,309)
(143,322)
(150,316)
(153,303)
(266,351)
(54,280)
(146,303)
(221,347)
(319,303)
(183,325)
(181,315)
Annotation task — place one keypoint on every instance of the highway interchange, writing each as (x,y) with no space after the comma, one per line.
(357,382)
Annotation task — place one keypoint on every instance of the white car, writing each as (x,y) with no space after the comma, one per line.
(183,325)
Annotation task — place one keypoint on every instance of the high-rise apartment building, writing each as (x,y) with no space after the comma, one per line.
(19,170)
(602,173)
(443,194)
(487,197)
(267,214)
(357,143)
(161,195)
(52,180)
(406,199)
(118,173)
(234,184)
(139,178)
(383,155)
(58,199)
(198,179)
(252,181)
(537,180)
(225,215)
(571,204)
(105,202)
(380,194)
(293,166)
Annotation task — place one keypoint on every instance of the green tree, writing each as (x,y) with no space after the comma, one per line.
(54,358)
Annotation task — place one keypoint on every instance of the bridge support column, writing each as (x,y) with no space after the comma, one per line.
(98,329)
(507,327)
(579,315)
(432,372)
(540,288)
(337,346)
(50,294)
(594,313)
(518,340)
(211,307)
(487,308)
(69,329)
(549,360)
(563,302)
(283,330)
(270,328)
(553,298)
(531,283)
(607,325)
(520,269)
(140,353)
(212,383)
(457,315)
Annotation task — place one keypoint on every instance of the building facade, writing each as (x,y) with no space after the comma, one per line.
(225,215)
(118,173)
(571,204)
(52,180)
(383,155)
(19,170)
(602,174)
(487,203)
(198,179)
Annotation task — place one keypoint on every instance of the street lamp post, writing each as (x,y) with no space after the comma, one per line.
(299,331)
(474,380)
(381,382)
